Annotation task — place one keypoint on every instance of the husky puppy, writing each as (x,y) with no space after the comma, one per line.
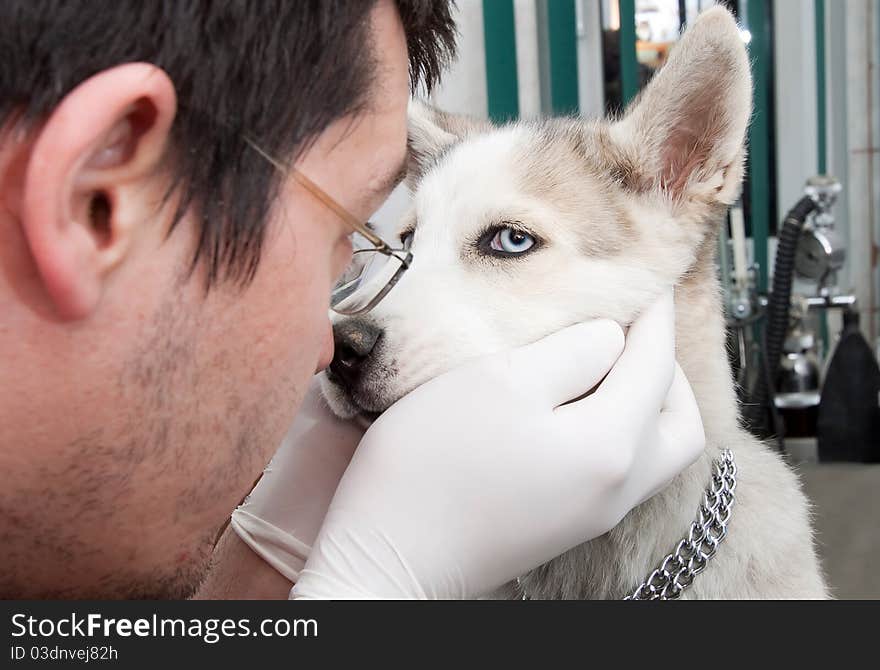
(520,230)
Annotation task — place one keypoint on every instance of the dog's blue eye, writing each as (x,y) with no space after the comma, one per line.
(511,241)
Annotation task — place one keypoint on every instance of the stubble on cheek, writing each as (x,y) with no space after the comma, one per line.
(208,428)
(132,508)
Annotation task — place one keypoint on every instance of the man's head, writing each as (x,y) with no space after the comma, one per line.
(163,290)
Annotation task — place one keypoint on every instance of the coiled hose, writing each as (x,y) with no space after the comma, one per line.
(776,326)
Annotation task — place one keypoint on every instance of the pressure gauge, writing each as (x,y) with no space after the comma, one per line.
(819,253)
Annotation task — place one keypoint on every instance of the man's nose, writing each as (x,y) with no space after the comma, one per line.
(354,340)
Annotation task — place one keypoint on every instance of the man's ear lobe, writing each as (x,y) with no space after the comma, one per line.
(87,183)
(431,132)
(687,129)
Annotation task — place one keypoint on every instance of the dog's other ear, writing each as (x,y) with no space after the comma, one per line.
(431,133)
(685,134)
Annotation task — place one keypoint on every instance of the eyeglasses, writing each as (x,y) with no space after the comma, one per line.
(375,265)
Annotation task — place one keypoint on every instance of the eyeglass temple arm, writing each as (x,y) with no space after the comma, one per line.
(319,193)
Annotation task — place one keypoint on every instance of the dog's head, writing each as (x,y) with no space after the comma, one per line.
(521,230)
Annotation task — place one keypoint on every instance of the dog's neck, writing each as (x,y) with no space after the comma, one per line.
(701,349)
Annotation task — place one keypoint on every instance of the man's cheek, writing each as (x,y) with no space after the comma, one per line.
(306,320)
(341,260)
(327,348)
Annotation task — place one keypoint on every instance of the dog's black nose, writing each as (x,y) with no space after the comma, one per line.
(353,340)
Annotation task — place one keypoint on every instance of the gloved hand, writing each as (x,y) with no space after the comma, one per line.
(281,517)
(488,471)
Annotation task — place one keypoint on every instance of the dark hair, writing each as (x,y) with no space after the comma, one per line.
(278,71)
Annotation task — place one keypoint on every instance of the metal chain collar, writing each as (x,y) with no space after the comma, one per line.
(692,554)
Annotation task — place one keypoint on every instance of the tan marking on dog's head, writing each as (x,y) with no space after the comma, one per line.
(564,164)
(619,163)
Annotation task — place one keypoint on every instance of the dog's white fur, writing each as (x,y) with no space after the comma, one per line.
(625,209)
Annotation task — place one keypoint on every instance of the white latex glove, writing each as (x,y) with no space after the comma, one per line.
(281,517)
(485,472)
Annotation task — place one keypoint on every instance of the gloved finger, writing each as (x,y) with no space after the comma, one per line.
(568,363)
(298,483)
(644,372)
(318,427)
(681,437)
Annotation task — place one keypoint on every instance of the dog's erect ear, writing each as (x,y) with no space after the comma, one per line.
(685,133)
(431,133)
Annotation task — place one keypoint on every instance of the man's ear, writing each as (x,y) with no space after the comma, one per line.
(685,134)
(84,194)
(431,133)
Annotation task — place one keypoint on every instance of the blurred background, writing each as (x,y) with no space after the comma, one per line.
(798,254)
